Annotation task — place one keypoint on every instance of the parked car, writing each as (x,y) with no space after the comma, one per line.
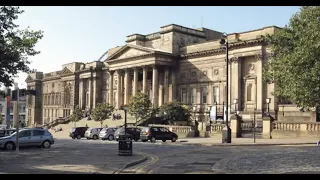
(92,133)
(133,131)
(78,132)
(6,132)
(107,133)
(157,133)
(27,138)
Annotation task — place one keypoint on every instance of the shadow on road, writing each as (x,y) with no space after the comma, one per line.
(65,158)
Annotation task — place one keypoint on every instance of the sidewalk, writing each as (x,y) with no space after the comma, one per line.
(246,141)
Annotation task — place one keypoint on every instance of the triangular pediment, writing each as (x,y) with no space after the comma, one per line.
(65,71)
(128,51)
(29,78)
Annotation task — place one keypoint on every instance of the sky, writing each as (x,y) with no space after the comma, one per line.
(84,33)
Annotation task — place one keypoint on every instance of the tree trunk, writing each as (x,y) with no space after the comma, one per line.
(75,123)
(101,122)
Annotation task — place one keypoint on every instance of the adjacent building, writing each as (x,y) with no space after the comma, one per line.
(175,63)
(22,110)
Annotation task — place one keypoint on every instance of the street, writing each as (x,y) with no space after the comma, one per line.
(95,156)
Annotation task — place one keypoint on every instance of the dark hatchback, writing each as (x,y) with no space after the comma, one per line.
(157,133)
(132,131)
(78,132)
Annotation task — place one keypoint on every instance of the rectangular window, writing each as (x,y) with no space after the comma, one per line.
(204,93)
(193,95)
(184,96)
(216,94)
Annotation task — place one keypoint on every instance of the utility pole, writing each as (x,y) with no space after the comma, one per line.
(16,116)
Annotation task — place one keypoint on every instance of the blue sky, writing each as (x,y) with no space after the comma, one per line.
(84,33)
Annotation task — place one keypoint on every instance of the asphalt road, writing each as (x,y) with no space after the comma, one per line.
(95,156)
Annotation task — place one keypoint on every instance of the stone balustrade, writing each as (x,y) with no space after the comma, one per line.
(176,129)
(217,128)
(283,129)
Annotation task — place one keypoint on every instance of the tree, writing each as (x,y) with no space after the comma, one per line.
(140,106)
(15,45)
(101,112)
(295,66)
(174,111)
(76,115)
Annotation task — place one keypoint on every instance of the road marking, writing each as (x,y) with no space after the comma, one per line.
(139,168)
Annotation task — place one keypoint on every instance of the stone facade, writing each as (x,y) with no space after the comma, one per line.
(177,63)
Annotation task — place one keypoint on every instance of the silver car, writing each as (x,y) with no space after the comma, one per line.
(92,133)
(28,137)
(107,133)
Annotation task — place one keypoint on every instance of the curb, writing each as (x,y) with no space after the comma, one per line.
(143,159)
(277,144)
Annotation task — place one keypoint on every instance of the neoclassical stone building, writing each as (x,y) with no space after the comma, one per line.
(176,63)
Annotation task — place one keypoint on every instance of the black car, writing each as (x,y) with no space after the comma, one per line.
(157,133)
(133,131)
(78,132)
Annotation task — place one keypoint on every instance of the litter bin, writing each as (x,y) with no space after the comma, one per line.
(125,145)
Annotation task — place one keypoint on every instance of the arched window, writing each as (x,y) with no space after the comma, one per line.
(249,92)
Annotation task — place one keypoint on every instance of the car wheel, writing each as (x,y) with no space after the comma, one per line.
(10,146)
(153,139)
(88,138)
(95,137)
(46,144)
(136,139)
(174,139)
(110,138)
(163,140)
(73,137)
(79,137)
(144,140)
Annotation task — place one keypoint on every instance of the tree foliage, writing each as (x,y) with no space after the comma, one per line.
(295,66)
(140,106)
(15,45)
(76,115)
(175,111)
(102,111)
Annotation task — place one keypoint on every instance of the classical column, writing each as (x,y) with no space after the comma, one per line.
(160,98)
(144,80)
(135,81)
(166,86)
(259,83)
(155,86)
(172,88)
(236,85)
(119,92)
(111,88)
(127,86)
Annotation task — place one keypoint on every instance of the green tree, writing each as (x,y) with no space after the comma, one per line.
(175,111)
(101,112)
(15,45)
(140,106)
(76,115)
(295,66)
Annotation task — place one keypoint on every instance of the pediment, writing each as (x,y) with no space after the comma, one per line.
(130,51)
(249,76)
(29,78)
(65,71)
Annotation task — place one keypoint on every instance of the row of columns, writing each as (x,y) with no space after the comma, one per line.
(126,84)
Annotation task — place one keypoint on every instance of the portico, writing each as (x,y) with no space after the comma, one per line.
(135,69)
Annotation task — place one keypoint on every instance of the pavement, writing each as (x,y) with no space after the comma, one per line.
(96,156)
(217,141)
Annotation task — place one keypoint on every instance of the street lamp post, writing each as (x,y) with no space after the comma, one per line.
(235,101)
(226,131)
(125,108)
(268,101)
(209,110)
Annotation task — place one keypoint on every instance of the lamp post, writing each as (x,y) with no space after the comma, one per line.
(226,131)
(125,108)
(209,110)
(235,101)
(268,101)
(194,111)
